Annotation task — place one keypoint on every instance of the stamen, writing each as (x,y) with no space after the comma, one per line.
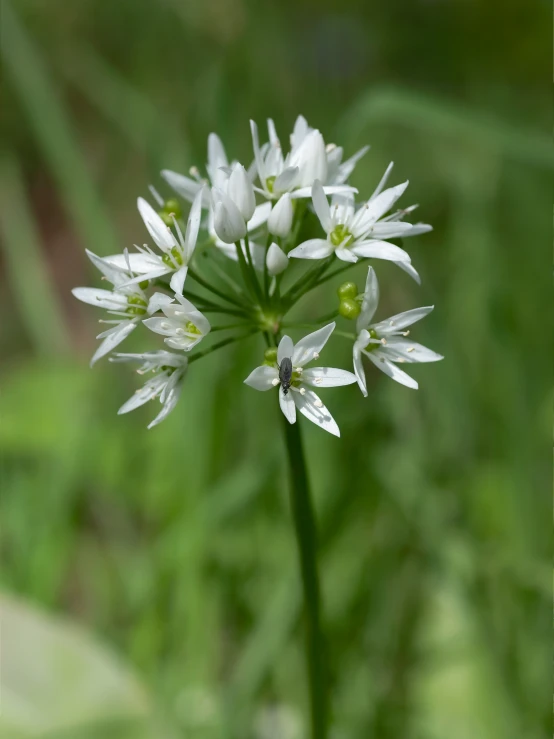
(383,341)
(318,380)
(315,355)
(166,326)
(410,349)
(302,391)
(406,333)
(275,381)
(318,403)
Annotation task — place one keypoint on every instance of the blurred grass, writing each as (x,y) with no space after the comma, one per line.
(175,545)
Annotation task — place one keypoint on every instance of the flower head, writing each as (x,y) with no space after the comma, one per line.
(169,372)
(385,343)
(299,394)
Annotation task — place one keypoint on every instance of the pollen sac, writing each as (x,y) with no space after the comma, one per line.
(349,308)
(347,290)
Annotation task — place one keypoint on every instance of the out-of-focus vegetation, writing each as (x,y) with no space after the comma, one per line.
(174,546)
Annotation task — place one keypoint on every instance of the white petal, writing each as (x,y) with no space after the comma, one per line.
(193,225)
(306,192)
(287,405)
(380,250)
(388,230)
(114,339)
(261,214)
(359,369)
(383,181)
(407,267)
(311,345)
(161,325)
(100,298)
(115,274)
(257,153)
(311,406)
(345,255)
(140,263)
(157,302)
(370,300)
(321,206)
(217,159)
(313,249)
(285,349)
(156,227)
(347,167)
(184,186)
(327,377)
(142,396)
(168,406)
(286,180)
(262,378)
(417,229)
(410,351)
(383,202)
(392,370)
(401,320)
(178,280)
(228,221)
(241,192)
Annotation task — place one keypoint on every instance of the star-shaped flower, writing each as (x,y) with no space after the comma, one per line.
(169,372)
(127,302)
(385,343)
(299,395)
(183,325)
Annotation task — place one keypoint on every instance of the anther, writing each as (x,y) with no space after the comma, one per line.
(315,355)
(275,382)
(383,341)
(302,391)
(318,403)
(410,349)
(165,325)
(318,380)
(406,333)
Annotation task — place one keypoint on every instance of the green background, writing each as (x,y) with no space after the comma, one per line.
(174,546)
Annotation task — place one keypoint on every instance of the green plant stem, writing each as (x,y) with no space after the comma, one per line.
(196,277)
(305,529)
(221,344)
(255,284)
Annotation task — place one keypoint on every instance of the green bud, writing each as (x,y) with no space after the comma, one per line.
(144,284)
(348,308)
(270,355)
(166,218)
(270,182)
(347,290)
(173,206)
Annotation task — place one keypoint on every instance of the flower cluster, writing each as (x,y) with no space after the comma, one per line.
(251,223)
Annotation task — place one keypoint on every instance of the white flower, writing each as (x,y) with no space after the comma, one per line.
(277,260)
(147,265)
(385,343)
(240,190)
(126,301)
(299,395)
(170,371)
(183,325)
(352,233)
(229,223)
(279,222)
(295,173)
(337,171)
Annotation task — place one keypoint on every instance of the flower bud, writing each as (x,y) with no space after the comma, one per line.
(312,159)
(241,191)
(279,222)
(270,355)
(229,223)
(347,290)
(276,260)
(349,308)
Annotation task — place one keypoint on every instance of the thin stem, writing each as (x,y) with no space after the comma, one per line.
(195,276)
(305,529)
(253,277)
(227,327)
(220,344)
(244,270)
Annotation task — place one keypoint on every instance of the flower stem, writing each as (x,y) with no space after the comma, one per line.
(305,529)
(195,276)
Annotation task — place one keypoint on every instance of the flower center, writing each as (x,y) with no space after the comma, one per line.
(269,183)
(341,235)
(173,258)
(136,305)
(190,328)
(371,346)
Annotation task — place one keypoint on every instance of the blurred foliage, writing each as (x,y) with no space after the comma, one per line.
(175,545)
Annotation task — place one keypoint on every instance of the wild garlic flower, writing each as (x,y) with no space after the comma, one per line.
(295,389)
(183,326)
(353,233)
(296,172)
(128,303)
(169,372)
(385,343)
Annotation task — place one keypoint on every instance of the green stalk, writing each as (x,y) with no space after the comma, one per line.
(255,283)
(221,344)
(196,277)
(305,529)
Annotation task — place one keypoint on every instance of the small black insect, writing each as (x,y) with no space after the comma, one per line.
(285,374)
